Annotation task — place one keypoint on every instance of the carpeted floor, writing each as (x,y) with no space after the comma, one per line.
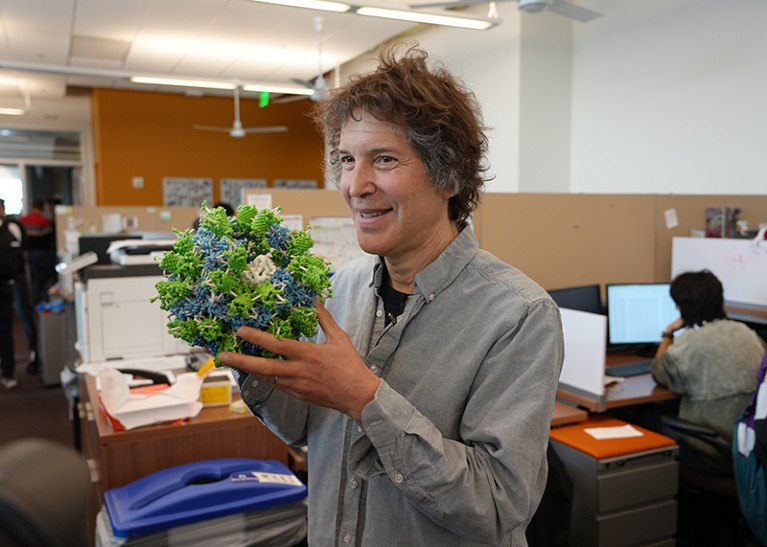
(31,409)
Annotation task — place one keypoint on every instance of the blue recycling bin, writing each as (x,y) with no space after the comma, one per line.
(231,500)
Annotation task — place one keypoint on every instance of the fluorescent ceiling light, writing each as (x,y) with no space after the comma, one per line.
(321,5)
(13,111)
(212,84)
(386,13)
(209,84)
(428,18)
(282,89)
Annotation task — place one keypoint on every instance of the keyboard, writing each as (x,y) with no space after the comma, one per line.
(629,369)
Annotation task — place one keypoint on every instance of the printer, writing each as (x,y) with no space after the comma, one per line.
(116,317)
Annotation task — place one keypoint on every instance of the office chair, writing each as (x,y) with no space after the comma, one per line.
(706,477)
(44,488)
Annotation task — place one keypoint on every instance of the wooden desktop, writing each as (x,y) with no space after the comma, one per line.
(632,390)
(567,414)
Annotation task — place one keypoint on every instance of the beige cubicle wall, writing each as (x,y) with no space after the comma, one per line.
(560,240)
(564,240)
(101,219)
(691,214)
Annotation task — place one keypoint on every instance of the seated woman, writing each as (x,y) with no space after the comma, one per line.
(713,363)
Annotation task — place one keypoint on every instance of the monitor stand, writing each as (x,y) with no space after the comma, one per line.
(643,350)
(646,350)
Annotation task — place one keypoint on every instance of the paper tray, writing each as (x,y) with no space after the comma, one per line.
(199,491)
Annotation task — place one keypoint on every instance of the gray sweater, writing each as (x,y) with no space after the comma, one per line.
(714,369)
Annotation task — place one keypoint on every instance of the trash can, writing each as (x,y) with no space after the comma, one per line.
(231,501)
(55,340)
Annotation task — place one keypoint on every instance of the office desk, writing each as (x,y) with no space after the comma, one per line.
(119,457)
(633,390)
(565,414)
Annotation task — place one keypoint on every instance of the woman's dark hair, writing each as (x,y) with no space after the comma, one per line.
(439,116)
(700,297)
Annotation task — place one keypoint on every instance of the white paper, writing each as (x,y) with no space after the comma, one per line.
(671,219)
(177,402)
(261,201)
(614,432)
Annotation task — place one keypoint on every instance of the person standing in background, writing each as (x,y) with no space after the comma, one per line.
(11,267)
(41,251)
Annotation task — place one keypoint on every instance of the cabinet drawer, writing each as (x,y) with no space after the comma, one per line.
(654,522)
(646,483)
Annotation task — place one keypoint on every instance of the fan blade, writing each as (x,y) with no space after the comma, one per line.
(212,128)
(240,131)
(579,13)
(306,83)
(272,129)
(285,99)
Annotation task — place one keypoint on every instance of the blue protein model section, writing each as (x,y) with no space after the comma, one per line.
(199,491)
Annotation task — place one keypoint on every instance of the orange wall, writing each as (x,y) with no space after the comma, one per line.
(150,135)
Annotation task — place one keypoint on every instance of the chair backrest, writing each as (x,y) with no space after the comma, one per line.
(44,488)
(749,455)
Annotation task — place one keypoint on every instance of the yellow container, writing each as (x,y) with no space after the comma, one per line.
(216,391)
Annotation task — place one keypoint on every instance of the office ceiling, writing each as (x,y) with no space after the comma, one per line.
(101,42)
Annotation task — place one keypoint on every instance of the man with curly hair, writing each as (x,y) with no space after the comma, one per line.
(425,401)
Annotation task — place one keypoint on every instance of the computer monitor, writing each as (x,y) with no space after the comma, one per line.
(637,313)
(584,298)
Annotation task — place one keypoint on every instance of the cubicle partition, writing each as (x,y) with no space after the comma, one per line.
(559,240)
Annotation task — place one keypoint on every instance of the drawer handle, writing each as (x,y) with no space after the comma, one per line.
(93,467)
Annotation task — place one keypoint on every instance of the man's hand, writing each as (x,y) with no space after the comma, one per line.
(332,374)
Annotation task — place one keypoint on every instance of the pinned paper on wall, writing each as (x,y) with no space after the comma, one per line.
(335,239)
(187,192)
(232,190)
(671,219)
(262,201)
(111,223)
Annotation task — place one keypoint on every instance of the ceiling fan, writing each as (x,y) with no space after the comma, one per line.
(318,85)
(237,130)
(560,7)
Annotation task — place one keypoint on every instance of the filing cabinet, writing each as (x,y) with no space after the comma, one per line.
(624,490)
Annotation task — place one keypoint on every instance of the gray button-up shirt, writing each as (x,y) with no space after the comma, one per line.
(453,450)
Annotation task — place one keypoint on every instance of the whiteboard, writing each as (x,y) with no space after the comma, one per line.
(740,264)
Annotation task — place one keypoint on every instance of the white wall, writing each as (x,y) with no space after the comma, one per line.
(667,96)
(489,63)
(670,96)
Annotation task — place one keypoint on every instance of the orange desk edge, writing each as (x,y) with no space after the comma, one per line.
(575,437)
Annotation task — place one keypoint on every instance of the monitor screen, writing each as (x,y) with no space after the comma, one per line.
(637,313)
(585,298)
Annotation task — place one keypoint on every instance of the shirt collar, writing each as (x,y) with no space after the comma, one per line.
(435,277)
